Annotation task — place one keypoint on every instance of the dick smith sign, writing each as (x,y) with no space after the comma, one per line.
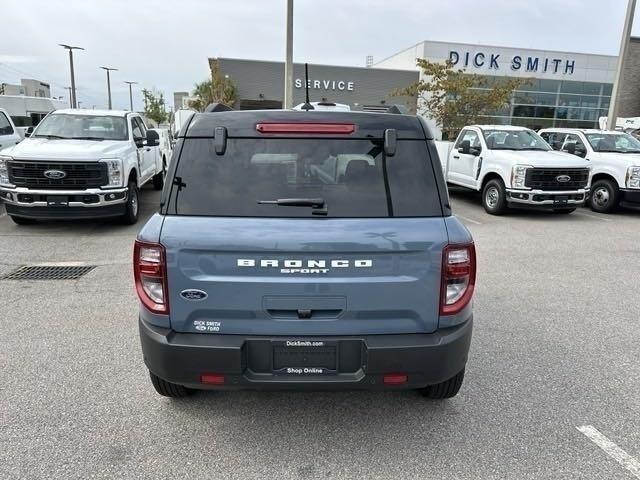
(341,85)
(525,63)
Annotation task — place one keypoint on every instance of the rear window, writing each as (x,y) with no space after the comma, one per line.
(353,177)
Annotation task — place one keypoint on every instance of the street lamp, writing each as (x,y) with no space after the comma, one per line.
(70,97)
(109,69)
(131,94)
(73,79)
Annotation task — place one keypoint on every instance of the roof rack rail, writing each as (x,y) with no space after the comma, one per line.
(217,107)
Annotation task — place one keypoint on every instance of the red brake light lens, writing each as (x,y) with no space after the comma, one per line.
(323,128)
(150,273)
(458,277)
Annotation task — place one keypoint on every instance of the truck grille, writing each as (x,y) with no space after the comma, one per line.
(79,175)
(547,178)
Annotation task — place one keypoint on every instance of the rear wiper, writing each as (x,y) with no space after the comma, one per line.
(51,136)
(88,138)
(318,204)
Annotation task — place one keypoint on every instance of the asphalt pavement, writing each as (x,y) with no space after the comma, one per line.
(555,349)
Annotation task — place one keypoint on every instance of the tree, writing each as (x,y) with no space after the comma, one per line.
(217,89)
(154,106)
(455,98)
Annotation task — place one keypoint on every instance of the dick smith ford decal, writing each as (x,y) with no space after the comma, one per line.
(304,266)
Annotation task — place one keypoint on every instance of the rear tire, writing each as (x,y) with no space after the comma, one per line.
(494,197)
(168,389)
(605,196)
(133,204)
(447,389)
(22,220)
(565,211)
(158,179)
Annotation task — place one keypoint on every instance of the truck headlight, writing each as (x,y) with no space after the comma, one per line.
(633,177)
(4,171)
(114,172)
(519,175)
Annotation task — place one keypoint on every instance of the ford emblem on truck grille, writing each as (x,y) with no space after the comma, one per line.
(55,174)
(563,178)
(193,295)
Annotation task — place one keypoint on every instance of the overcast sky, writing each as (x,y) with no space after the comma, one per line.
(165,45)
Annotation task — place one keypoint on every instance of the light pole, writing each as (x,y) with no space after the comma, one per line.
(624,44)
(288,66)
(73,79)
(70,97)
(131,94)
(109,69)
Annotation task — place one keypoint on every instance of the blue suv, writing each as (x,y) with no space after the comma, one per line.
(305,250)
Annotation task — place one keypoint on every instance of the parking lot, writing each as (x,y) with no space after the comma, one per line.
(555,348)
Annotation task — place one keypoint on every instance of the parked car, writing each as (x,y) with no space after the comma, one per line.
(514,167)
(81,164)
(266,268)
(9,135)
(615,163)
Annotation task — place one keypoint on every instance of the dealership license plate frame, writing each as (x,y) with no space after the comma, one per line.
(57,201)
(305,357)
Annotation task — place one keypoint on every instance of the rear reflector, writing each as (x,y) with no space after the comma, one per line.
(325,128)
(395,379)
(212,379)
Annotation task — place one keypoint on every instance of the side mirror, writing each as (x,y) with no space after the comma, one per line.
(28,132)
(571,148)
(153,139)
(465,147)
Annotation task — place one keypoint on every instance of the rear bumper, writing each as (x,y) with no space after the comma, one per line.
(246,361)
(547,199)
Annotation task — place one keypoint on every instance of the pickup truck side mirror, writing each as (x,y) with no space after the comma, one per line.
(28,132)
(465,146)
(571,148)
(153,139)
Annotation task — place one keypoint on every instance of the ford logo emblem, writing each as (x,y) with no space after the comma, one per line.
(55,174)
(563,178)
(193,295)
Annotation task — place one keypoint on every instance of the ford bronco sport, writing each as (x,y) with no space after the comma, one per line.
(301,250)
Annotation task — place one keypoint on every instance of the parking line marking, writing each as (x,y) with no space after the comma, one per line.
(468,219)
(611,449)
(594,216)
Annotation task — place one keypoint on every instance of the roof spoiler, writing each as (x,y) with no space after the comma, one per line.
(217,107)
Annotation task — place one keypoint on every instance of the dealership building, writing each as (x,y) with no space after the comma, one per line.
(260,84)
(564,89)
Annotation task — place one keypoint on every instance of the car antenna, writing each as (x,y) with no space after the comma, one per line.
(307,105)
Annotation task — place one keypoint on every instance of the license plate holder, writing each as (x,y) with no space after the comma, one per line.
(305,357)
(57,201)
(561,200)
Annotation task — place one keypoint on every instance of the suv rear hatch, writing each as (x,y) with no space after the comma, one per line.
(360,254)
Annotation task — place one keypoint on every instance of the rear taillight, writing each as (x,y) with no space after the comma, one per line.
(150,273)
(458,277)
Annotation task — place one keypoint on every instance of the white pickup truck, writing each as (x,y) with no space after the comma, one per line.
(9,135)
(615,163)
(515,167)
(81,164)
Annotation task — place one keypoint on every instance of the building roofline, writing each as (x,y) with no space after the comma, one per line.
(313,64)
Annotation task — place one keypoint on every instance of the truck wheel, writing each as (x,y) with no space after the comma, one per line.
(22,220)
(494,198)
(168,389)
(565,211)
(604,196)
(158,179)
(133,205)
(447,389)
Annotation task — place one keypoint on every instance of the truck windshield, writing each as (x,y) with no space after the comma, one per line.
(514,140)
(82,127)
(267,177)
(613,142)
